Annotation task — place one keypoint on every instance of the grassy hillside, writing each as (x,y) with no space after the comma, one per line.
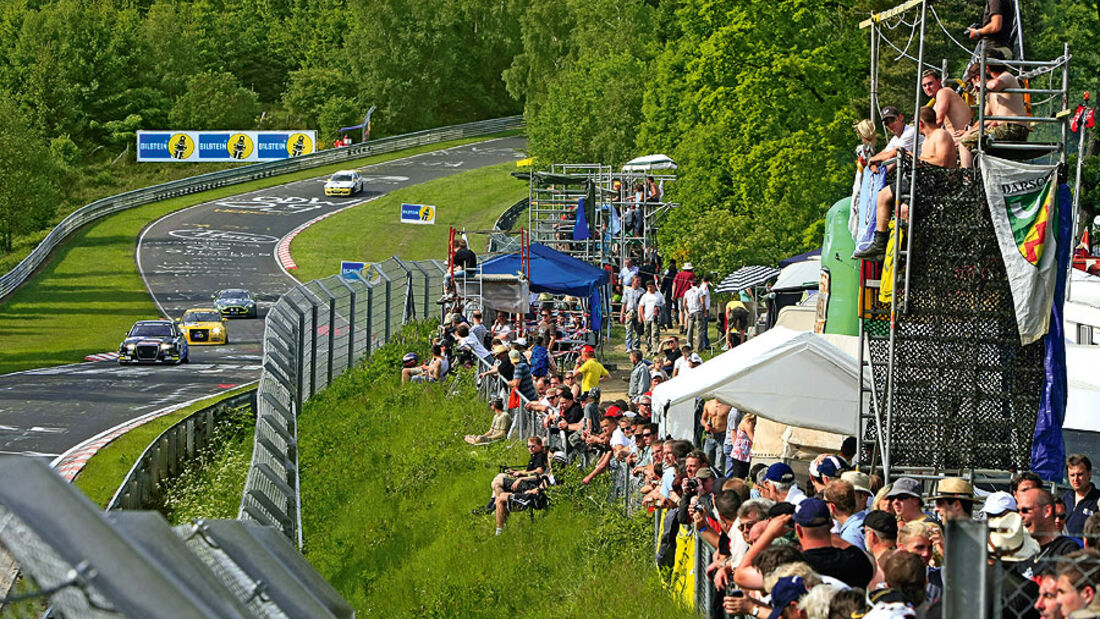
(388,485)
(371,231)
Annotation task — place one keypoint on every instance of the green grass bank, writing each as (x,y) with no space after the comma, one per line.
(371,231)
(90,292)
(388,485)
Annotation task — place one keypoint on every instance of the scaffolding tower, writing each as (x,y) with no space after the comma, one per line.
(609,206)
(940,354)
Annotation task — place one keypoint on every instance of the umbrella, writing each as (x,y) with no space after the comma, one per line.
(745,277)
(650,162)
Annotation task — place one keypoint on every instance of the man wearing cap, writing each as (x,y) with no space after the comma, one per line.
(684,362)
(906,499)
(1082,498)
(780,486)
(904,137)
(698,507)
(998,504)
(590,371)
(954,499)
(521,376)
(825,469)
(880,536)
(849,564)
(786,593)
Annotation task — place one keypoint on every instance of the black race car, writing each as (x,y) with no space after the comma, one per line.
(236,303)
(153,341)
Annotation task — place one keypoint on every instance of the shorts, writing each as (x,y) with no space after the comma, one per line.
(739,319)
(422,378)
(1004,132)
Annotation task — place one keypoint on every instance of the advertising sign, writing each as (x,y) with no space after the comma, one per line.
(417,214)
(352,270)
(211,146)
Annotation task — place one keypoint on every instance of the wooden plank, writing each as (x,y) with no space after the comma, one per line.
(897,10)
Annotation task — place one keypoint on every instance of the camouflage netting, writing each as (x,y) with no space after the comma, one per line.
(966,392)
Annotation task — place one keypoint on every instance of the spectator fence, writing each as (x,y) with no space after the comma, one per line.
(314,333)
(233,176)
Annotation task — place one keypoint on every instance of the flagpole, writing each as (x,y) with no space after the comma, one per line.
(1076,196)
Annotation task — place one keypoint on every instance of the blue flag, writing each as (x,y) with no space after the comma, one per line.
(1048,450)
(580,226)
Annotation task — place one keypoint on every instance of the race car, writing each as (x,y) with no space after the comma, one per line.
(235,302)
(204,325)
(344,183)
(153,341)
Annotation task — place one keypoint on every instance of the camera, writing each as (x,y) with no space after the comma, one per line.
(966,32)
(692,485)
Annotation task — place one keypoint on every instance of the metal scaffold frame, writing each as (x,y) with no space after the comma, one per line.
(877,404)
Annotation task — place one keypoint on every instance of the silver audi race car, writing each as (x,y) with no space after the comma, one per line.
(235,303)
(153,341)
(344,183)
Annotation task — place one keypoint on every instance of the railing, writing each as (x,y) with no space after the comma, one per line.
(14,278)
(313,334)
(171,452)
(501,242)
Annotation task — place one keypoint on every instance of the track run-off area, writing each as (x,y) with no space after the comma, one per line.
(185,257)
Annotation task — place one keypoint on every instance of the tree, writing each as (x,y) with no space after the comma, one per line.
(28,190)
(335,113)
(215,101)
(309,89)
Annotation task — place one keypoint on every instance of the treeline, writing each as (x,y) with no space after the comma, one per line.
(754,98)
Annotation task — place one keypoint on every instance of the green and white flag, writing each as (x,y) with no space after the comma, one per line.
(1022,204)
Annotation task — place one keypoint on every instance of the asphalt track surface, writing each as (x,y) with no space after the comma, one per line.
(184,258)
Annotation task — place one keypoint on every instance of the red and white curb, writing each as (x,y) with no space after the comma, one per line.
(70,463)
(103,356)
(282,250)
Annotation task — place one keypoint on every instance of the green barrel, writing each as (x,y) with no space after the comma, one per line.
(836,258)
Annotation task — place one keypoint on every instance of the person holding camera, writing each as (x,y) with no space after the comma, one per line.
(515,481)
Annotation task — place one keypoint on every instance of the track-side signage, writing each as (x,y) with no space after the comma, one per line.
(192,146)
(417,214)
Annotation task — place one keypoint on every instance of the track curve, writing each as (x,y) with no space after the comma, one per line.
(184,257)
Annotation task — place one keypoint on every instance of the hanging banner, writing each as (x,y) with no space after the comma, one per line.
(417,214)
(213,146)
(1021,200)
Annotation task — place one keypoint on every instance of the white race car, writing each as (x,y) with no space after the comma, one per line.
(344,183)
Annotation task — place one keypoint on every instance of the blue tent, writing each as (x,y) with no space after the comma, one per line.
(556,273)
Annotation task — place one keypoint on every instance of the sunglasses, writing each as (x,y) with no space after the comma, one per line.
(651,434)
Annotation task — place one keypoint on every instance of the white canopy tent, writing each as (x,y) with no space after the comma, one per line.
(649,163)
(799,275)
(796,378)
(1084,388)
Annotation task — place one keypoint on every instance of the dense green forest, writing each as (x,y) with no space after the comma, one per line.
(754,98)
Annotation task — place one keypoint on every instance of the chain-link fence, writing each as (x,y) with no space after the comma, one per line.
(243,174)
(313,334)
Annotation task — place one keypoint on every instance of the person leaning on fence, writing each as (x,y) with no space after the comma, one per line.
(521,376)
(470,344)
(498,429)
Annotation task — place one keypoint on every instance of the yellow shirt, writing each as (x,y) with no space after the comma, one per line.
(591,372)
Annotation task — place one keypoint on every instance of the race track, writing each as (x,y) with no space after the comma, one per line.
(184,257)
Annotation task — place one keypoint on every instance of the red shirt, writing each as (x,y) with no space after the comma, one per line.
(681,283)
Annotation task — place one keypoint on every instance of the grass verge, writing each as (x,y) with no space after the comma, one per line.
(104,472)
(388,485)
(90,292)
(471,200)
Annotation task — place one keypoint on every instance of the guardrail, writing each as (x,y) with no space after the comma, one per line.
(14,278)
(500,242)
(171,452)
(314,333)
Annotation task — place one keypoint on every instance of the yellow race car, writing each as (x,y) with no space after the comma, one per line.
(204,325)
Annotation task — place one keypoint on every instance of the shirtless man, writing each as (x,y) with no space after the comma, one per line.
(939,145)
(997,103)
(714,419)
(951,111)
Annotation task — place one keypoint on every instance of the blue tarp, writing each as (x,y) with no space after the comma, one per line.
(580,224)
(556,273)
(800,257)
(868,206)
(1048,450)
